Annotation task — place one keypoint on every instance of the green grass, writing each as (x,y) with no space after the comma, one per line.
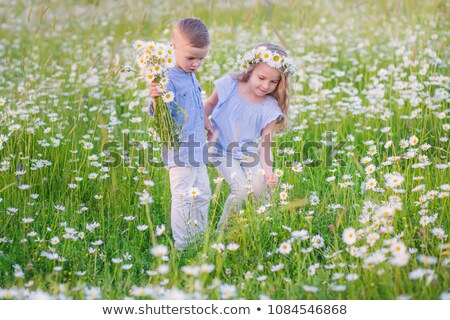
(56,59)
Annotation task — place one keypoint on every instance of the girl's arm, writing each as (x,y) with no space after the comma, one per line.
(265,153)
(209,105)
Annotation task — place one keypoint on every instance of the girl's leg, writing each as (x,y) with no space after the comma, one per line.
(232,172)
(257,181)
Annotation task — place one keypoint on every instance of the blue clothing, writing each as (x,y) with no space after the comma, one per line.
(238,122)
(187,110)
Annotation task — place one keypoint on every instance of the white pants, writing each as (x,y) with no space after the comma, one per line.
(242,180)
(188,214)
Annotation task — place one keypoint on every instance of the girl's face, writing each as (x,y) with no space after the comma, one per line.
(263,80)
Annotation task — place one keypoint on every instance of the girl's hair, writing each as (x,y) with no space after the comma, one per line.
(194,31)
(281,93)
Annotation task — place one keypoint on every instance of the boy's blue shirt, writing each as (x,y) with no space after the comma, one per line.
(187,110)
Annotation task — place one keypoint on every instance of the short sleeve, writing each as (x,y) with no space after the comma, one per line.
(224,88)
(271,112)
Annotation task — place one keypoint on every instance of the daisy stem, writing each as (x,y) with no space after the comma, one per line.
(150,225)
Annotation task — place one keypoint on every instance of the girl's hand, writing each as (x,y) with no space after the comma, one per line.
(208,128)
(155,90)
(271,179)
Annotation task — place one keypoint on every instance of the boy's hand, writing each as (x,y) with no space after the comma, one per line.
(208,128)
(155,90)
(271,179)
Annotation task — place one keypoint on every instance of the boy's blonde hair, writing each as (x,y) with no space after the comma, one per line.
(281,93)
(194,31)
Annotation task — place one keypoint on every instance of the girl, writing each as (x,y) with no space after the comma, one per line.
(246,107)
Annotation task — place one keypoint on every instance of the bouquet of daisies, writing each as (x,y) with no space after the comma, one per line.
(154,61)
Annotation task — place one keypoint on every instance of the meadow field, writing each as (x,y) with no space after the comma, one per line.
(361,209)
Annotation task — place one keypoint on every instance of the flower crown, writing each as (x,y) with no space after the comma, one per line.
(262,54)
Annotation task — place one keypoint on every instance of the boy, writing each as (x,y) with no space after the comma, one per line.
(189,182)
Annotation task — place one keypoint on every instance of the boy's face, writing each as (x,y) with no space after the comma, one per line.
(188,57)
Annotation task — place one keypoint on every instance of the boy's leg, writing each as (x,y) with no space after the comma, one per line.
(181,179)
(232,172)
(201,202)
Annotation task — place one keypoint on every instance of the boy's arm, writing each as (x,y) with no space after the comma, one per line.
(265,153)
(154,91)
